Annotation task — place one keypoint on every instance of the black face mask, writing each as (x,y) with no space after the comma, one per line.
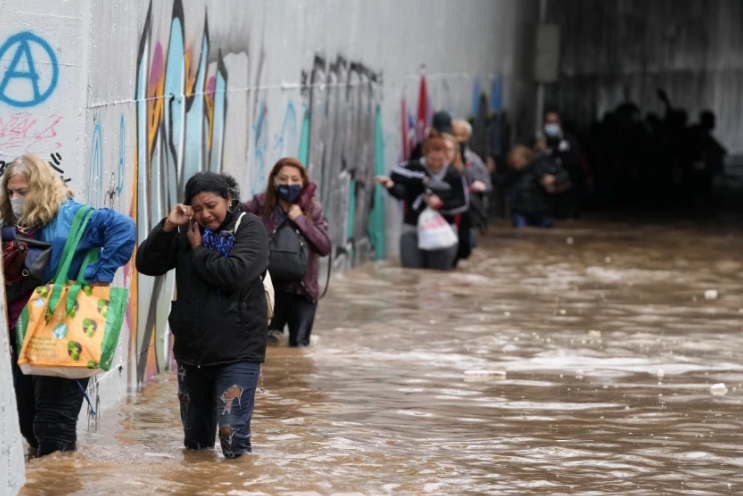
(288,193)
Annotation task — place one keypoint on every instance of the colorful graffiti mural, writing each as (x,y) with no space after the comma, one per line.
(180,113)
(181,102)
(343,155)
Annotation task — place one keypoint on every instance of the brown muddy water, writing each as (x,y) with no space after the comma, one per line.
(610,350)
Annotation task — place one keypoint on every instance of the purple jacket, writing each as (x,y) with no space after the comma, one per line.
(313,231)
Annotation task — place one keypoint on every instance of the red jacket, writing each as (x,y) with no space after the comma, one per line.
(314,231)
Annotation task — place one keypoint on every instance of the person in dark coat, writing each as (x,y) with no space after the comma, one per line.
(289,197)
(565,150)
(705,157)
(220,319)
(529,179)
(430,182)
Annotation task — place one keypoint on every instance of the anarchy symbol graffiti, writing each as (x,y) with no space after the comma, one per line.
(22,85)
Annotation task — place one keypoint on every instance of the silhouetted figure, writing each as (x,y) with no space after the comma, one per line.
(564,149)
(706,157)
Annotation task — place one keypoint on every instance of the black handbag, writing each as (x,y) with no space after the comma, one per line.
(287,253)
(37,256)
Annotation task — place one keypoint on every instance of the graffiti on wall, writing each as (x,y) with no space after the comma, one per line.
(334,127)
(32,73)
(342,117)
(285,143)
(24,133)
(179,125)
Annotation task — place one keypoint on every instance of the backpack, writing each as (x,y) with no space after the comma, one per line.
(288,253)
(24,262)
(266,278)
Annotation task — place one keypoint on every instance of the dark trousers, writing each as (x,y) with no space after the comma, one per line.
(414,258)
(48,408)
(296,311)
(221,395)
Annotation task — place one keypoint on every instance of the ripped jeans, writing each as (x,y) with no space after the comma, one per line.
(220,395)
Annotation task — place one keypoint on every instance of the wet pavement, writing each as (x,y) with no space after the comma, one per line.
(610,349)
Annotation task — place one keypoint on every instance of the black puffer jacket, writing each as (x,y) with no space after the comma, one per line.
(221,315)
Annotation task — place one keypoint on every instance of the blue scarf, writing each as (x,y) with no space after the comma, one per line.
(221,242)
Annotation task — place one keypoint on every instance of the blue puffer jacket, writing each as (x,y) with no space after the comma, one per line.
(115,233)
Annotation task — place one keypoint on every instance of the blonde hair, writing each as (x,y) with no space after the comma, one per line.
(458,163)
(466,125)
(46,192)
(522,152)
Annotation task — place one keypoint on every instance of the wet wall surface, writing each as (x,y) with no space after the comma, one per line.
(612,355)
(624,50)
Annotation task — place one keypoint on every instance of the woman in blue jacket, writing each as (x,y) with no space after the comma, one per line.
(39,204)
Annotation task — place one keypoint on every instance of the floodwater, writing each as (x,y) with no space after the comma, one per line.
(610,349)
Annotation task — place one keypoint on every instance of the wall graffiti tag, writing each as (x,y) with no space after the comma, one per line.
(24,83)
(24,133)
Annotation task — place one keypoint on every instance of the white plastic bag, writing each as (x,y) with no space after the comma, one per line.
(434,233)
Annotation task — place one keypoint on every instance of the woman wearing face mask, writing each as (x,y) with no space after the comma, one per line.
(219,320)
(289,200)
(39,204)
(430,182)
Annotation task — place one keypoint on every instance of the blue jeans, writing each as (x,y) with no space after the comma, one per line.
(221,395)
(522,220)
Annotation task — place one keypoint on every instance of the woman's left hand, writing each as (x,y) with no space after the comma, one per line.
(294,212)
(194,235)
(479,187)
(434,202)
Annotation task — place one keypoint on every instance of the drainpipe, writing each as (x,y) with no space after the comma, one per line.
(540,85)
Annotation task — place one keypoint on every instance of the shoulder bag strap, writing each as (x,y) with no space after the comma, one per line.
(239,220)
(67,255)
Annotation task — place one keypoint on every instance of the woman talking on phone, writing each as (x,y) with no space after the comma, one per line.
(219,320)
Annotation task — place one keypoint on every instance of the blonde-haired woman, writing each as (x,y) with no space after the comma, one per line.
(529,179)
(40,205)
(462,221)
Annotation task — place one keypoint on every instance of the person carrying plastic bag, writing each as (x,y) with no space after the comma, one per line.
(435,184)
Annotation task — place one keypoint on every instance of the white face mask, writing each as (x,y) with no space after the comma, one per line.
(17,206)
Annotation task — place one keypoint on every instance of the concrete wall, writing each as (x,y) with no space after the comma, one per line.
(137,96)
(617,50)
(12,472)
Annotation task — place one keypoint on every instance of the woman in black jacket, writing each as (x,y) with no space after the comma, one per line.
(220,320)
(430,182)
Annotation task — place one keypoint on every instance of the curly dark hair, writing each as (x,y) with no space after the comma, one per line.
(223,185)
